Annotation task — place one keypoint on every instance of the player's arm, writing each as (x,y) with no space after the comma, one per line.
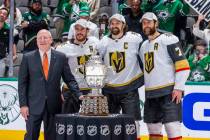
(181,65)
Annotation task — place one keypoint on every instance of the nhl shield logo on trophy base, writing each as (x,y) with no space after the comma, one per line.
(94,103)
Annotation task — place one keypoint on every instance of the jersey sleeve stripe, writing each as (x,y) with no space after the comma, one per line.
(183,69)
(181,64)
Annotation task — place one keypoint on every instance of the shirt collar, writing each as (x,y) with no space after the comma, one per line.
(42,53)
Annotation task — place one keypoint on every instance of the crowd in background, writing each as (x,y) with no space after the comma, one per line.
(59,17)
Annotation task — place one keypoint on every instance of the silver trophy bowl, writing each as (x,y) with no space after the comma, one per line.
(95,74)
(94,103)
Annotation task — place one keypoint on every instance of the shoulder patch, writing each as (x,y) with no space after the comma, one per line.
(134,33)
(133,36)
(169,38)
(168,34)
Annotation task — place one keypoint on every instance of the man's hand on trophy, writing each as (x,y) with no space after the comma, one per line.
(81,97)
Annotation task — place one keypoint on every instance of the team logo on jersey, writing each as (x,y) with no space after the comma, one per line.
(163,15)
(125,45)
(81,60)
(117,60)
(149,61)
(156,45)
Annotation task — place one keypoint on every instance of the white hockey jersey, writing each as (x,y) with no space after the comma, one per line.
(77,56)
(165,66)
(121,56)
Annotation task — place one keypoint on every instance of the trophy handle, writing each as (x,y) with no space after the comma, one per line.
(109,71)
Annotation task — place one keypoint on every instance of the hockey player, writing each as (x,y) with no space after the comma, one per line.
(78,51)
(119,51)
(85,14)
(165,73)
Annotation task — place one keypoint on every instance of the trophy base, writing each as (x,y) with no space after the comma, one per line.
(94,105)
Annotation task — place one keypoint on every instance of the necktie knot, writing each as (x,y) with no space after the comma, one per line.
(45,65)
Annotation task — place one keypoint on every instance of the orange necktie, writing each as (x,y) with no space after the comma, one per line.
(45,65)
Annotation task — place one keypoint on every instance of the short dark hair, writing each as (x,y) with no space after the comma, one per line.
(200,42)
(4,8)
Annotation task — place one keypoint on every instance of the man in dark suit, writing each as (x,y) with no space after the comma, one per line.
(39,86)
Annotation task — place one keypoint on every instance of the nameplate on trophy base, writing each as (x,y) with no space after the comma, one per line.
(94,106)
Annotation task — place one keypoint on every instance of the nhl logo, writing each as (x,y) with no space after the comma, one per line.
(69,129)
(60,129)
(92,130)
(118,129)
(130,129)
(80,130)
(105,130)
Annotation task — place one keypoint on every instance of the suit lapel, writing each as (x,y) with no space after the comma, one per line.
(52,62)
(39,61)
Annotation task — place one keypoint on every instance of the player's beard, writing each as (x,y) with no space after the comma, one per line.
(80,37)
(115,31)
(149,31)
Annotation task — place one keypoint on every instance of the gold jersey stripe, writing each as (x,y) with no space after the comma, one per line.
(181,64)
(85,88)
(159,87)
(127,83)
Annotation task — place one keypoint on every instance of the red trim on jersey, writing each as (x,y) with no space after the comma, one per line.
(155,135)
(176,138)
(182,69)
(138,139)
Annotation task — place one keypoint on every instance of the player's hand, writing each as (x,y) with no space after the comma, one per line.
(177,96)
(81,97)
(24,112)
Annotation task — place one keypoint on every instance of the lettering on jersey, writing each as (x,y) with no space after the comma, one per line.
(156,46)
(149,61)
(81,60)
(91,49)
(117,60)
(178,51)
(125,45)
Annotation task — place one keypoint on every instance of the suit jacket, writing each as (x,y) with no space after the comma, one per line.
(35,91)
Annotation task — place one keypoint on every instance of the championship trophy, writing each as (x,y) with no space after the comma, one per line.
(94,103)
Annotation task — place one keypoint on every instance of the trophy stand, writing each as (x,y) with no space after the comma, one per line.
(94,103)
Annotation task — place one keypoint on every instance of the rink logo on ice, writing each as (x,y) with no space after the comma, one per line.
(196,111)
(9,104)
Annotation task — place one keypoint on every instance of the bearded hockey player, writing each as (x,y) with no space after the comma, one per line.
(78,51)
(119,52)
(165,73)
